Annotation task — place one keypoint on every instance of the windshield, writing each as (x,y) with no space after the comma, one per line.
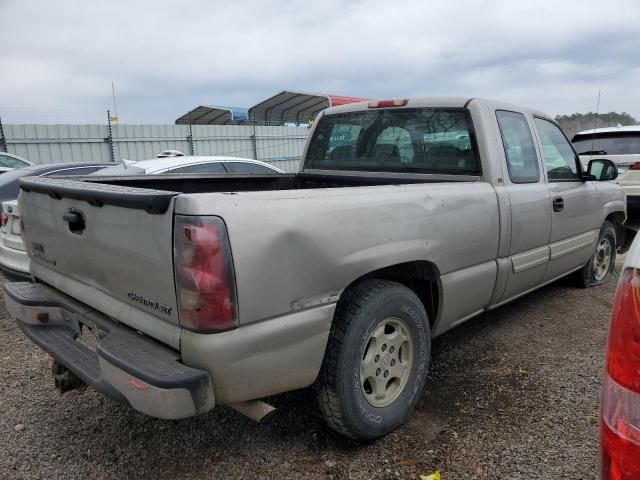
(120,170)
(607,144)
(417,140)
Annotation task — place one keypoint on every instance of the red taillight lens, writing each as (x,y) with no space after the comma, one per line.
(401,102)
(4,218)
(205,283)
(620,426)
(623,349)
(635,166)
(619,433)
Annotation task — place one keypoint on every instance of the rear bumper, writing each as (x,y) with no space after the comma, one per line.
(123,365)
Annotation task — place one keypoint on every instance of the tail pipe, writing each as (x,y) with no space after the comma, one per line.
(256,410)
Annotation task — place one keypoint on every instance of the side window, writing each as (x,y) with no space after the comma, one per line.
(73,171)
(559,158)
(240,167)
(10,162)
(522,161)
(212,167)
(84,171)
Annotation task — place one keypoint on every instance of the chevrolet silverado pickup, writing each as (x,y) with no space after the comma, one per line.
(174,294)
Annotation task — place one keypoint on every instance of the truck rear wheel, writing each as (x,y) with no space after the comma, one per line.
(376,360)
(601,264)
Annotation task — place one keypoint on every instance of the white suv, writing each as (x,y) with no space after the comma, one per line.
(620,145)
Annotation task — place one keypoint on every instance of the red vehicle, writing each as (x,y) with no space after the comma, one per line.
(620,422)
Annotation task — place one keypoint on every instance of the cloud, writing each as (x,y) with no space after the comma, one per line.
(59,58)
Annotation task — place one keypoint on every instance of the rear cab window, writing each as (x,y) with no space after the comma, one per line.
(413,140)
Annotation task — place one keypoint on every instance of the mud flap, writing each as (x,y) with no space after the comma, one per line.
(627,239)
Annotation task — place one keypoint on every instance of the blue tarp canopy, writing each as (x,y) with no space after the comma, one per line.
(214,115)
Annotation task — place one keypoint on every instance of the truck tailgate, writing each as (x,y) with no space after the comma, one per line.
(107,246)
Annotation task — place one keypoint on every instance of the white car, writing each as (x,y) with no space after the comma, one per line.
(9,161)
(195,164)
(14,262)
(620,145)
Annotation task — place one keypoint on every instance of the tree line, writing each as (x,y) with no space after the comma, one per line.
(577,122)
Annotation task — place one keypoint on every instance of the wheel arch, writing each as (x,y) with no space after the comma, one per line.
(617,218)
(420,276)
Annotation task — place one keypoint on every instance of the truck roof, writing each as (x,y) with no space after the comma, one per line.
(451,102)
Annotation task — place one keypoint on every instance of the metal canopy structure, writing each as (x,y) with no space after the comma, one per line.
(214,115)
(295,107)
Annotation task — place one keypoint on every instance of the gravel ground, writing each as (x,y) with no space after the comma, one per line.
(512,394)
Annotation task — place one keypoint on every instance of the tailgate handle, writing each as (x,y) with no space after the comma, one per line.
(75,221)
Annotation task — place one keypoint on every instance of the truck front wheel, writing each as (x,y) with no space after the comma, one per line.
(601,264)
(376,360)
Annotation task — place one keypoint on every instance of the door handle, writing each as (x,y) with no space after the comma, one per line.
(558,204)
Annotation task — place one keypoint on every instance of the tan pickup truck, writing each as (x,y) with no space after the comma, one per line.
(177,293)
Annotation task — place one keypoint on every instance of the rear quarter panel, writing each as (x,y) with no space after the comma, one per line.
(295,250)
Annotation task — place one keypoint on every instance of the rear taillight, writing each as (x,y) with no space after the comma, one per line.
(620,427)
(635,166)
(4,218)
(623,349)
(205,284)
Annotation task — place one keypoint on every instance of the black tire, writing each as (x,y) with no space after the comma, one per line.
(341,395)
(588,275)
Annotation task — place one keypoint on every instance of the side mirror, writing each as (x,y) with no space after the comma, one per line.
(602,170)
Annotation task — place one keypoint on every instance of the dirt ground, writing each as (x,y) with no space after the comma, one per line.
(512,394)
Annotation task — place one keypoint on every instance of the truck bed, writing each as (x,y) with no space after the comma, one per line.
(153,193)
(198,183)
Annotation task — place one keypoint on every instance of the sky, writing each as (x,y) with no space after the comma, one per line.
(59,58)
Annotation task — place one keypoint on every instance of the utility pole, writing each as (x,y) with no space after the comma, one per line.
(113,94)
(190,138)
(595,121)
(109,139)
(254,140)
